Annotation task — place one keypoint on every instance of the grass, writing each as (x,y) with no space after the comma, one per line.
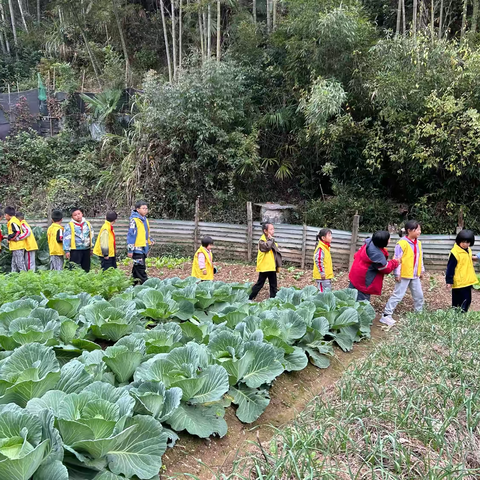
(410,410)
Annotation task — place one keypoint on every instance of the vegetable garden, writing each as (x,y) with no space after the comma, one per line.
(176,354)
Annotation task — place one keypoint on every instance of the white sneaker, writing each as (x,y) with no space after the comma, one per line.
(388,320)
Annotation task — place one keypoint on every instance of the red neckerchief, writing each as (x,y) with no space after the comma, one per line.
(328,245)
(414,242)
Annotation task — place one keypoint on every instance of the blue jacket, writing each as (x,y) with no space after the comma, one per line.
(132,234)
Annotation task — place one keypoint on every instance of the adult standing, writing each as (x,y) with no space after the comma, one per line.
(78,240)
(139,241)
(269,261)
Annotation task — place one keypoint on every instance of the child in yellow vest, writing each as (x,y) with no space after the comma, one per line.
(16,246)
(322,261)
(269,261)
(31,245)
(55,241)
(105,246)
(202,266)
(460,275)
(409,273)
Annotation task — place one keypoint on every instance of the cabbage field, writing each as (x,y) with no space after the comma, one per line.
(96,388)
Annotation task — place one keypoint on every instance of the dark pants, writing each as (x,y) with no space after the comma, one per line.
(360,296)
(81,258)
(139,271)
(110,263)
(262,277)
(462,297)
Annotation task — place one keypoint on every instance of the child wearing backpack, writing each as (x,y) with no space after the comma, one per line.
(370,265)
(460,275)
(16,246)
(202,266)
(322,261)
(105,246)
(55,241)
(407,275)
(31,245)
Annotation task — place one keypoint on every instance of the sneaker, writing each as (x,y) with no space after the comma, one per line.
(388,320)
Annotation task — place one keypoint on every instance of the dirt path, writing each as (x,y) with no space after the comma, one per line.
(291,392)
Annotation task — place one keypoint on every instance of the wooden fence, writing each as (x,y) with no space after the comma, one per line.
(297,242)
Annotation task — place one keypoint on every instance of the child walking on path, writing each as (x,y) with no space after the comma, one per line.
(408,275)
(16,246)
(202,266)
(322,261)
(460,275)
(139,241)
(105,246)
(269,261)
(55,241)
(31,245)
(78,240)
(370,265)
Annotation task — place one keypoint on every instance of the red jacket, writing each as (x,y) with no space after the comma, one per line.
(370,265)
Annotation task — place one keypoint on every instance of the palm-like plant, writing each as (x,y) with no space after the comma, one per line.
(103,107)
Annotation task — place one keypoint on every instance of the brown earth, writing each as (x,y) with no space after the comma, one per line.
(291,392)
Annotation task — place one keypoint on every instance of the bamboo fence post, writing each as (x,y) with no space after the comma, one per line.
(249,231)
(197,221)
(304,246)
(353,242)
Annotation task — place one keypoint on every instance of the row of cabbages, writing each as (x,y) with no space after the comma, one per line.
(183,352)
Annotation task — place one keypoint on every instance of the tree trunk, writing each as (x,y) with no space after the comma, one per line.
(414,18)
(92,58)
(420,17)
(209,30)
(174,40)
(464,21)
(404,18)
(38,11)
(399,15)
(4,22)
(274,16)
(205,32)
(440,21)
(432,20)
(219,30)
(165,37)
(14,28)
(269,18)
(124,44)
(180,35)
(200,28)
(20,6)
(254,12)
(474,16)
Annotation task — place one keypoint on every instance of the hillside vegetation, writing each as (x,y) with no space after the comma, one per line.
(334,105)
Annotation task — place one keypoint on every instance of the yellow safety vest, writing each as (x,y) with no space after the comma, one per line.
(73,245)
(15,245)
(327,262)
(408,259)
(111,240)
(30,241)
(266,260)
(54,247)
(196,271)
(464,272)
(141,240)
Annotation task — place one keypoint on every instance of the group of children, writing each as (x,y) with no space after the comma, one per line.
(371,264)
(76,243)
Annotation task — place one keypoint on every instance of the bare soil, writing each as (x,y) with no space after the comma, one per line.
(291,392)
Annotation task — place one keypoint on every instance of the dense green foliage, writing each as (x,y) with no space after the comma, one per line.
(107,410)
(409,410)
(319,100)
